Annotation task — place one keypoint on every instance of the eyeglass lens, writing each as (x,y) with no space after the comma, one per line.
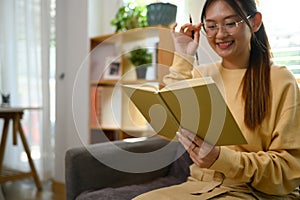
(230,27)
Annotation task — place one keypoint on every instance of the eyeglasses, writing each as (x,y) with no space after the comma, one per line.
(230,27)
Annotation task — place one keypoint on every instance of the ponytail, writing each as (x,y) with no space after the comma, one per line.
(256,87)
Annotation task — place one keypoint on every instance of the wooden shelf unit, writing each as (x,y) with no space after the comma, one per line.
(111,112)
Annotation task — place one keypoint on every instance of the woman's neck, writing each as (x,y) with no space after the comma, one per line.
(234,65)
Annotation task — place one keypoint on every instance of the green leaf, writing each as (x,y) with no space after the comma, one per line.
(130,16)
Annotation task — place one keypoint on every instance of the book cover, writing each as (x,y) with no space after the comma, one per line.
(193,104)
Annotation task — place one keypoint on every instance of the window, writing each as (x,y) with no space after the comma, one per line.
(24,56)
(280,20)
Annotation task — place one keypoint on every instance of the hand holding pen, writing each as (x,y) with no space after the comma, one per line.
(187,39)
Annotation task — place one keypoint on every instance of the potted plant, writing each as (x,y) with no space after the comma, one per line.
(163,14)
(140,58)
(130,16)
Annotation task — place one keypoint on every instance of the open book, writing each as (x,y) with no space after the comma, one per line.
(193,104)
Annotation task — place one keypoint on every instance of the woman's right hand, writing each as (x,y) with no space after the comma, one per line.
(187,39)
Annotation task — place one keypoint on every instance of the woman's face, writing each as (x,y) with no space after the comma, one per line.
(233,47)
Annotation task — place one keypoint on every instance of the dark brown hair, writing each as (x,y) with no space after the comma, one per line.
(256,82)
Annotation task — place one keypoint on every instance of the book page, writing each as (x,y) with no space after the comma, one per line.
(144,86)
(154,111)
(188,83)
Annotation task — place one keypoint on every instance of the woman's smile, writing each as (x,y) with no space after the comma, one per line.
(224,45)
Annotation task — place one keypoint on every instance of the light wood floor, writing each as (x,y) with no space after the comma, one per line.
(25,190)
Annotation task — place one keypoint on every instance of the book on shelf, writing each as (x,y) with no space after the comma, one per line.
(104,107)
(193,104)
(94,107)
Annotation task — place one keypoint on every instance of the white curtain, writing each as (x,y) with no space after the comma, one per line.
(24,63)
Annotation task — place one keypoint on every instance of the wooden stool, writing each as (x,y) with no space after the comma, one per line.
(15,114)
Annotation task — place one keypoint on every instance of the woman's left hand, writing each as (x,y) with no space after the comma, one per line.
(202,153)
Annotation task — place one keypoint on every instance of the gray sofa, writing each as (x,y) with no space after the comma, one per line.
(91,173)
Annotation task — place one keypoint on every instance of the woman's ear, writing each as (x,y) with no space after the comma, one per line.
(256,21)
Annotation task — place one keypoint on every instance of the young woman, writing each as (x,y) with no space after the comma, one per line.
(264,99)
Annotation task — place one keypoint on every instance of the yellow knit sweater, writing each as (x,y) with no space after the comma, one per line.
(270,162)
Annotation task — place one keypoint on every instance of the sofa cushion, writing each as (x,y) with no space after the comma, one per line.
(180,167)
(178,173)
(128,192)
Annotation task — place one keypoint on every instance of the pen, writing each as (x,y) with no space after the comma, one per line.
(193,33)
(191,21)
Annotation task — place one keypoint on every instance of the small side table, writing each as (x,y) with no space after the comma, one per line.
(15,114)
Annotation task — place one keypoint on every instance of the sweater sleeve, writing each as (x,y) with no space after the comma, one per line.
(275,170)
(181,68)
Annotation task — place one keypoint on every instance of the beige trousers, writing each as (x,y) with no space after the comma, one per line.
(208,184)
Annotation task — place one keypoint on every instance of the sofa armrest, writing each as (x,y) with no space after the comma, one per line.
(85,171)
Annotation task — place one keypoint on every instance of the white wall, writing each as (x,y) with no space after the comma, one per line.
(100,14)
(72,46)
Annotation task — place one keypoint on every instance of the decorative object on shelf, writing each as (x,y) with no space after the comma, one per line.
(141,58)
(161,14)
(130,16)
(112,69)
(5,100)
